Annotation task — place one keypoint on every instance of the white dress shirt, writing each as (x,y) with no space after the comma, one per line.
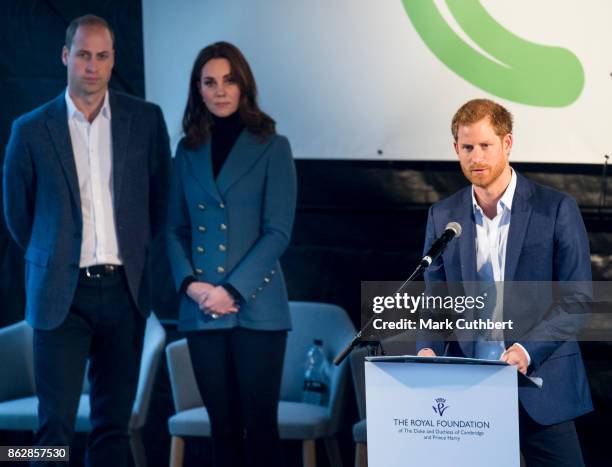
(491,242)
(93,150)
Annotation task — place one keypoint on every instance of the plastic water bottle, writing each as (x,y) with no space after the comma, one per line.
(316,376)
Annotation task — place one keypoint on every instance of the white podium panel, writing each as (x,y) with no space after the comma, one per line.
(435,414)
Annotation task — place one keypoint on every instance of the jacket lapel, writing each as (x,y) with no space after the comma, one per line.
(519,220)
(57,124)
(241,158)
(467,254)
(121,121)
(467,240)
(201,165)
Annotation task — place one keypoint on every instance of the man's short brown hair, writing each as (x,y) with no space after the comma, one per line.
(87,20)
(475,110)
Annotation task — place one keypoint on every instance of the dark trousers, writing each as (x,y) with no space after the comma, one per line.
(239,375)
(103,325)
(549,446)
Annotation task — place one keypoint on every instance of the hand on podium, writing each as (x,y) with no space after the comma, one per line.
(426,352)
(515,355)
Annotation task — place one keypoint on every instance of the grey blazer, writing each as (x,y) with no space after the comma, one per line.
(234,230)
(42,202)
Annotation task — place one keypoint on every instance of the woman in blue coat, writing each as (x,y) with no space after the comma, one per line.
(232,206)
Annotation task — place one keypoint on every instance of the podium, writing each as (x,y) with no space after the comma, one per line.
(434,411)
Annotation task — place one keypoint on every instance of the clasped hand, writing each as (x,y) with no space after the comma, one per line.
(211,299)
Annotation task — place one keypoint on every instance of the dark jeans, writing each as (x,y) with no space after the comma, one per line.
(104,325)
(549,446)
(239,375)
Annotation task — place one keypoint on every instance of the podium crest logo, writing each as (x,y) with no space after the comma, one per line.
(440,406)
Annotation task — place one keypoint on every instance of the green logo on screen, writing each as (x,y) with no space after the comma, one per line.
(522,71)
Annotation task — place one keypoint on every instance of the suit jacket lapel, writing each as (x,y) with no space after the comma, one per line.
(467,240)
(121,121)
(519,220)
(241,158)
(467,252)
(57,124)
(201,165)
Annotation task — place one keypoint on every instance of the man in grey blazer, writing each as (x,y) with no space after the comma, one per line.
(85,188)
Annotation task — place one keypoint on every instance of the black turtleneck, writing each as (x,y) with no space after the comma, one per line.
(225,132)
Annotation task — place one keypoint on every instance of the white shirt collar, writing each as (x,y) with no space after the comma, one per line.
(73,112)
(505,201)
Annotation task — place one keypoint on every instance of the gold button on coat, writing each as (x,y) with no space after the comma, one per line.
(220,269)
(223,227)
(201,228)
(199,272)
(201,207)
(200,249)
(222,247)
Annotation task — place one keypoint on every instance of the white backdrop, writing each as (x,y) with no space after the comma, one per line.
(347,78)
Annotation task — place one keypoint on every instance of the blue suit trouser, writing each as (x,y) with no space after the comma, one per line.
(103,325)
(549,445)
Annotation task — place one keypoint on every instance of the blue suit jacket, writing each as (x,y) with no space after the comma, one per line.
(42,200)
(547,241)
(234,230)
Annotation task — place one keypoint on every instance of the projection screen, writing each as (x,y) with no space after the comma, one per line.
(365,79)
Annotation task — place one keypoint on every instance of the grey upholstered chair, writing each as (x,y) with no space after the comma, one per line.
(297,420)
(395,345)
(19,406)
(359,428)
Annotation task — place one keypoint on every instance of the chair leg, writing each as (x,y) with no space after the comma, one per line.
(309,454)
(361,455)
(177,451)
(333,452)
(138,450)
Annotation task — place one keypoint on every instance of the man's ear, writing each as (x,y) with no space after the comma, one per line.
(507,143)
(65,53)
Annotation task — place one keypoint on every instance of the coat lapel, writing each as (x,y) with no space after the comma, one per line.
(241,158)
(519,220)
(467,240)
(201,165)
(467,254)
(57,124)
(121,121)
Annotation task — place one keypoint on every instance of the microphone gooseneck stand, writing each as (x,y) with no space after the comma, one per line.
(452,230)
(374,345)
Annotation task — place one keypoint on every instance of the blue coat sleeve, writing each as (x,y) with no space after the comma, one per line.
(178,232)
(18,185)
(278,213)
(572,276)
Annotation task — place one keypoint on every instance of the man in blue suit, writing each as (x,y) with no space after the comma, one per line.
(517,230)
(85,186)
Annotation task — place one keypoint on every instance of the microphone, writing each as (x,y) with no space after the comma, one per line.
(452,230)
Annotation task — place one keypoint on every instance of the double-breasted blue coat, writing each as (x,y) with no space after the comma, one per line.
(234,230)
